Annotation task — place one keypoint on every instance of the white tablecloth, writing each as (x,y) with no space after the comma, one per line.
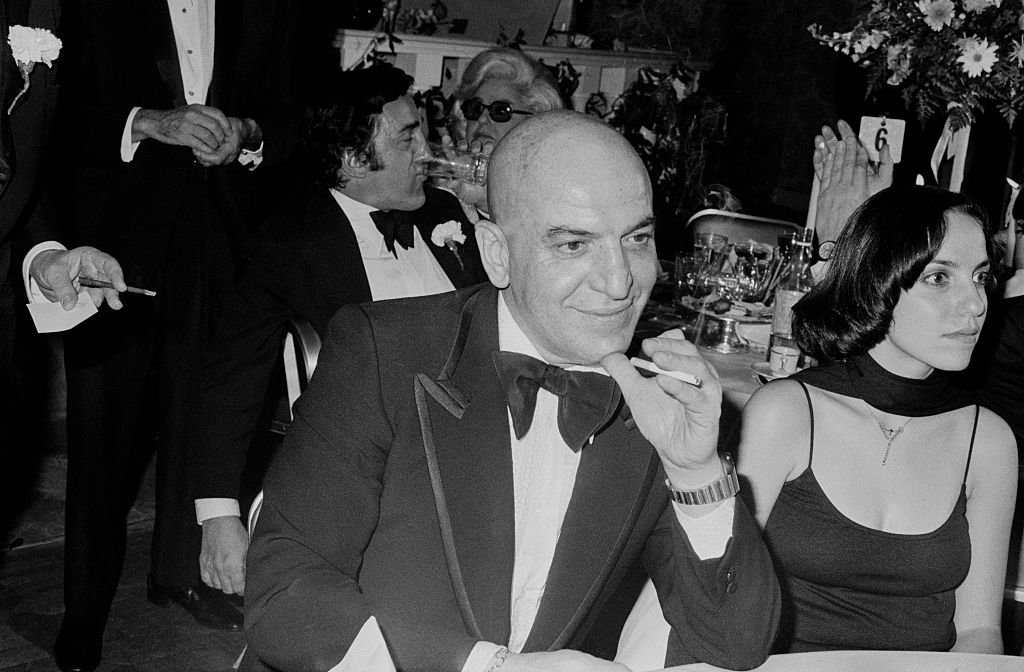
(878,661)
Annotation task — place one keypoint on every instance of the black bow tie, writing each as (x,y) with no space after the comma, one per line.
(394,225)
(586,400)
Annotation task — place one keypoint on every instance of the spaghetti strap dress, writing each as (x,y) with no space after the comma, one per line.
(847,586)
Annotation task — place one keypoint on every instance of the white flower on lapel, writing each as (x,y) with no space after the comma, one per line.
(30,46)
(449,235)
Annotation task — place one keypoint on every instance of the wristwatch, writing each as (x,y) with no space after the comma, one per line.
(825,250)
(720,490)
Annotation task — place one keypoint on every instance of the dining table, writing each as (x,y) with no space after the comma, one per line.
(877,661)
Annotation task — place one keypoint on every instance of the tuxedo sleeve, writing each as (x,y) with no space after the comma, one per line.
(321,506)
(275,106)
(723,611)
(94,109)
(237,365)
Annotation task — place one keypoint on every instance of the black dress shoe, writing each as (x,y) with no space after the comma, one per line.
(78,646)
(210,608)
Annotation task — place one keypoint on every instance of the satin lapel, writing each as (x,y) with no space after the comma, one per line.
(225,50)
(465,426)
(157,15)
(614,477)
(343,246)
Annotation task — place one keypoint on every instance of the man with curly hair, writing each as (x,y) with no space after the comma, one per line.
(325,250)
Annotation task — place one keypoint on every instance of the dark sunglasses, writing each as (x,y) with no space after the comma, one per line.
(499,111)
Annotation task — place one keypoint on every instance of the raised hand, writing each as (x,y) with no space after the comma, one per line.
(680,420)
(847,177)
(56,272)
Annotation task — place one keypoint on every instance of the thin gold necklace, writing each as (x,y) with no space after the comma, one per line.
(890,434)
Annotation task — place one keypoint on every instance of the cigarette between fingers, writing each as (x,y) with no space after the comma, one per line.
(682,376)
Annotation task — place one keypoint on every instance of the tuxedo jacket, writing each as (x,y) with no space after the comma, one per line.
(163,214)
(392,496)
(25,132)
(305,264)
(997,366)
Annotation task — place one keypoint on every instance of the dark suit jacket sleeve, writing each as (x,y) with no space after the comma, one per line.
(90,79)
(275,106)
(724,611)
(237,364)
(1002,381)
(321,507)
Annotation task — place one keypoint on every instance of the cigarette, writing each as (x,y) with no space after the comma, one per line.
(103,284)
(687,378)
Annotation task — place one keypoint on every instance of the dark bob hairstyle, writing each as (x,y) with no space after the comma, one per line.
(881,252)
(343,118)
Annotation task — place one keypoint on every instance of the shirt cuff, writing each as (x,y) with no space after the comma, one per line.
(368,652)
(213,507)
(31,286)
(708,534)
(480,657)
(251,158)
(128,148)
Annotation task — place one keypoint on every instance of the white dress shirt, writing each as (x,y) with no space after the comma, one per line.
(194,25)
(544,473)
(415,272)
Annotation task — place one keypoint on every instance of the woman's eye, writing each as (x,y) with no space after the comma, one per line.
(936,279)
(984,278)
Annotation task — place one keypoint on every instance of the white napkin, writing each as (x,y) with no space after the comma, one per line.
(756,335)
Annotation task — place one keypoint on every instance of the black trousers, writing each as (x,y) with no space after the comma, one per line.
(131,388)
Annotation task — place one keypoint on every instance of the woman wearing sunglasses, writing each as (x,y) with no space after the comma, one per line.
(500,87)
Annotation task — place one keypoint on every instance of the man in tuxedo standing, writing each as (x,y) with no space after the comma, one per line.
(25,132)
(462,487)
(176,110)
(332,247)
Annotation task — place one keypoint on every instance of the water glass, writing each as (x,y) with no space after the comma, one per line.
(713,248)
(686,270)
(451,163)
(752,264)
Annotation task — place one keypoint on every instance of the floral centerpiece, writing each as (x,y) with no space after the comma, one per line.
(955,54)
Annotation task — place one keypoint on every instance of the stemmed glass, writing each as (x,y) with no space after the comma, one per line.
(753,260)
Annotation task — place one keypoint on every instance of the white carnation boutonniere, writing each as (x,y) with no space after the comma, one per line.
(449,235)
(30,46)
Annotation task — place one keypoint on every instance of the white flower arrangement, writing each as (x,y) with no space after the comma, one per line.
(449,234)
(30,46)
(956,54)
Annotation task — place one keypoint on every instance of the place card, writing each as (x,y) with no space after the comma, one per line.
(877,132)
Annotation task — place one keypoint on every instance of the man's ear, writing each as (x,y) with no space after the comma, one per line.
(353,165)
(493,252)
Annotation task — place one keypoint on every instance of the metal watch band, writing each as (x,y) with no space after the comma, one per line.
(825,250)
(722,489)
